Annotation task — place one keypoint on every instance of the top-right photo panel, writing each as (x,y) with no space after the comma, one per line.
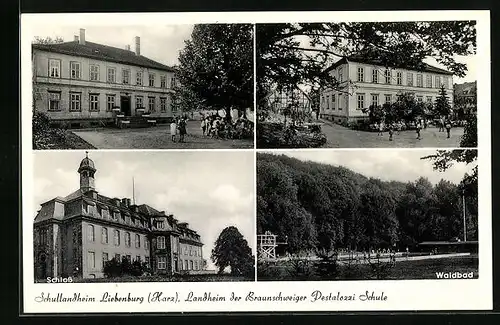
(366,84)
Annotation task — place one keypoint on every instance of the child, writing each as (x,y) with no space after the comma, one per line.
(173,129)
(448,128)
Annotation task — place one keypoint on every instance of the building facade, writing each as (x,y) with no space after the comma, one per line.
(75,235)
(85,81)
(363,83)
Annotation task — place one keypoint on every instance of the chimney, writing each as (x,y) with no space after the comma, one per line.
(82,36)
(77,39)
(127,47)
(129,202)
(137,45)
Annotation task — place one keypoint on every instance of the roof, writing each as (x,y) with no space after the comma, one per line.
(102,52)
(373,61)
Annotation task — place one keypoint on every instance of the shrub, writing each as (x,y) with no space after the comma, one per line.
(277,135)
(380,269)
(300,268)
(112,268)
(268,270)
(327,267)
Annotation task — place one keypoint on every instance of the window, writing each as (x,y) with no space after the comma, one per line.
(181,264)
(43,236)
(160,224)
(410,79)
(117,237)
(75,70)
(438,82)
(374,99)
(161,242)
(190,251)
(399,78)
(105,258)
(445,82)
(186,265)
(127,239)
(111,75)
(420,99)
(419,80)
(94,102)
(138,258)
(328,102)
(137,241)
(75,101)
(91,233)
(429,99)
(146,243)
(339,100)
(138,102)
(151,104)
(162,262)
(117,257)
(151,80)
(374,75)
(54,101)
(361,101)
(104,235)
(191,264)
(125,76)
(428,81)
(91,259)
(388,98)
(361,74)
(138,78)
(333,101)
(185,250)
(387,76)
(110,102)
(163,104)
(54,68)
(94,72)
(146,259)
(341,74)
(196,265)
(163,81)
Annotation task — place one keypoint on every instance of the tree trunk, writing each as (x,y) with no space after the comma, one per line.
(228,114)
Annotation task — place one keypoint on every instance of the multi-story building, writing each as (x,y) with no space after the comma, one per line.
(364,82)
(81,81)
(465,97)
(75,235)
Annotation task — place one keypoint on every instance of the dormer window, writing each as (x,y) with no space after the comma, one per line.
(160,224)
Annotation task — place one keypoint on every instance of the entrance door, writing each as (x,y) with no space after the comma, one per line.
(125,105)
(176,265)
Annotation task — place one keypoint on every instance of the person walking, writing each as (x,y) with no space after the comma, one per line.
(448,128)
(173,129)
(419,127)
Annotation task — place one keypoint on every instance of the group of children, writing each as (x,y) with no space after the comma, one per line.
(218,127)
(418,128)
(178,127)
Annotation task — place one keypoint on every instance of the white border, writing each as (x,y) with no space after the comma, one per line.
(402,294)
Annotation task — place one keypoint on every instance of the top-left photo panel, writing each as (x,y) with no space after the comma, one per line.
(142,87)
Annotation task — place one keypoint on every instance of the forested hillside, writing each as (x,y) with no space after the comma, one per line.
(319,206)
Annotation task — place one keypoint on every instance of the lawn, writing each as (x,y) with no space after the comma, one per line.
(53,138)
(184,278)
(403,270)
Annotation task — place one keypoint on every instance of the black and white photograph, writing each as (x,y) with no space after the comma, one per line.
(367,215)
(366,84)
(149,216)
(143,87)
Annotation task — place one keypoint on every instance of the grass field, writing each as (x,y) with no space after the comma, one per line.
(402,270)
(187,278)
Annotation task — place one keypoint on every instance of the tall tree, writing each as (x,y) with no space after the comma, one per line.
(232,250)
(442,106)
(216,68)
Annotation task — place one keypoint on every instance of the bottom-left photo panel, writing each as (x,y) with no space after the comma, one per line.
(142,216)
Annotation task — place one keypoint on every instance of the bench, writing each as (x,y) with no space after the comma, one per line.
(152,122)
(123,124)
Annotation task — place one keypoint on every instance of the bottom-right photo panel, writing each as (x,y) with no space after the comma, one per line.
(367,215)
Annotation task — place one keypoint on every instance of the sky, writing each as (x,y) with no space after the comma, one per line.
(210,190)
(386,164)
(161,43)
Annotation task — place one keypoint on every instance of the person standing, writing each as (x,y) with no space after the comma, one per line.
(419,127)
(448,128)
(391,131)
(441,124)
(173,129)
(182,129)
(203,126)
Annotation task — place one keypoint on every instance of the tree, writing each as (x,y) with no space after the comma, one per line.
(293,54)
(232,250)
(47,40)
(216,68)
(442,107)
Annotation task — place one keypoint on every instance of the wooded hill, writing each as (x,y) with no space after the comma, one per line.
(320,206)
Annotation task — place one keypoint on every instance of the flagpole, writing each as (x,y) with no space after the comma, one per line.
(133,190)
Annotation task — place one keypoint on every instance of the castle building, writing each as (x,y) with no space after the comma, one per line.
(82,81)
(75,235)
(365,82)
